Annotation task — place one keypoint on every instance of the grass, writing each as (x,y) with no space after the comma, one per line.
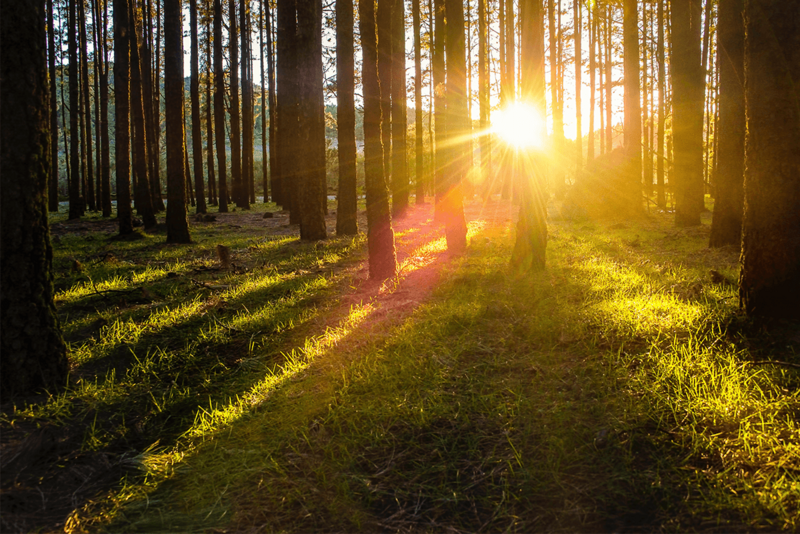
(619,390)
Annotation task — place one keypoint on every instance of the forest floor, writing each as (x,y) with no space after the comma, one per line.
(619,390)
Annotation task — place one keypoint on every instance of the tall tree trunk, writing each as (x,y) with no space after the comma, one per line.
(484,102)
(122,116)
(457,128)
(347,209)
(509,89)
(86,104)
(438,75)
(105,161)
(769,283)
(609,80)
(633,112)
(647,156)
(726,226)
(273,110)
(156,177)
(219,109)
(312,210)
(556,81)
(177,225)
(400,182)
(197,135)
(287,134)
(380,236)
(212,178)
(144,205)
(578,19)
(662,87)
(98,68)
(75,199)
(52,186)
(239,190)
(34,355)
(531,239)
(248,189)
(384,22)
(264,159)
(687,105)
(418,127)
(592,24)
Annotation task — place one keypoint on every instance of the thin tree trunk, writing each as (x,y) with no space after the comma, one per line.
(287,83)
(273,110)
(632,128)
(239,191)
(219,109)
(212,179)
(52,185)
(98,68)
(662,87)
(647,157)
(86,104)
(122,116)
(380,236)
(556,81)
(400,182)
(592,24)
(483,93)
(264,159)
(197,135)
(156,183)
(384,21)
(177,225)
(578,19)
(609,81)
(75,199)
(347,200)
(105,163)
(437,64)
(248,190)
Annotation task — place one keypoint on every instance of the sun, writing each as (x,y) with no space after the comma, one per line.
(519,125)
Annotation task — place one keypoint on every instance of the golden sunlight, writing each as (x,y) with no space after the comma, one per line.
(519,125)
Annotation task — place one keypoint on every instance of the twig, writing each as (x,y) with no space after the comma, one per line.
(776,362)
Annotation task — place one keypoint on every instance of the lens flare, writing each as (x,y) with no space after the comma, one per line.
(519,125)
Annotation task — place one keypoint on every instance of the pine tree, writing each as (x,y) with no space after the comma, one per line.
(347,209)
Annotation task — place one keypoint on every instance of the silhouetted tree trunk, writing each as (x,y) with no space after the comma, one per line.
(400,183)
(609,80)
(144,204)
(34,355)
(380,236)
(52,186)
(105,159)
(86,104)
(177,225)
(197,135)
(556,81)
(531,241)
(770,278)
(273,110)
(457,128)
(347,199)
(248,190)
(155,189)
(484,102)
(264,112)
(212,179)
(726,226)
(439,106)
(384,22)
(578,21)
(647,157)
(237,183)
(591,24)
(219,108)
(122,116)
(509,89)
(687,111)
(98,68)
(75,199)
(632,128)
(287,134)
(662,87)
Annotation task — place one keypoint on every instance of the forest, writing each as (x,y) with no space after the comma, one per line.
(399,266)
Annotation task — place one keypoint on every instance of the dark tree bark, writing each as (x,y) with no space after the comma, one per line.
(97,137)
(726,226)
(531,241)
(439,106)
(687,111)
(312,210)
(380,236)
(144,205)
(484,102)
(52,186)
(75,199)
(457,126)
(509,90)
(647,156)
(105,158)
(177,225)
(273,109)
(578,20)
(592,24)
(769,284)
(347,200)
(34,355)
(158,200)
(197,135)
(219,108)
(632,128)
(384,21)
(212,179)
(122,115)
(662,87)
(86,104)
(609,81)
(264,112)
(287,134)
(248,189)
(556,81)
(400,183)
(239,190)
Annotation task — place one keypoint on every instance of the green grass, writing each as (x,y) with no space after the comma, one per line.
(612,392)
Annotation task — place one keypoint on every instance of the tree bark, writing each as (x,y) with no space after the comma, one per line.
(177,225)
(86,104)
(769,284)
(248,183)
(264,112)
(287,134)
(578,19)
(212,178)
(197,135)
(400,182)
(380,236)
(122,116)
(438,75)
(34,355)
(75,198)
(52,186)
(662,87)
(687,111)
(484,102)
(726,226)
(347,200)
(633,112)
(384,21)
(219,109)
(239,190)
(273,110)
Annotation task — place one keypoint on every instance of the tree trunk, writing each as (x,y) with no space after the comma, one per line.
(578,19)
(531,239)
(592,24)
(609,80)
(75,199)
(556,81)
(264,114)
(197,135)
(484,102)
(509,91)
(457,129)
(144,205)
(662,87)
(687,111)
(438,75)
(239,190)
(122,116)
(248,190)
(312,211)
(400,184)
(647,157)
(384,22)
(769,284)
(380,236)
(632,128)
(158,200)
(219,109)
(34,355)
(287,134)
(212,178)
(177,225)
(52,186)
(273,110)
(347,209)
(105,160)
(418,131)
(726,226)
(86,104)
